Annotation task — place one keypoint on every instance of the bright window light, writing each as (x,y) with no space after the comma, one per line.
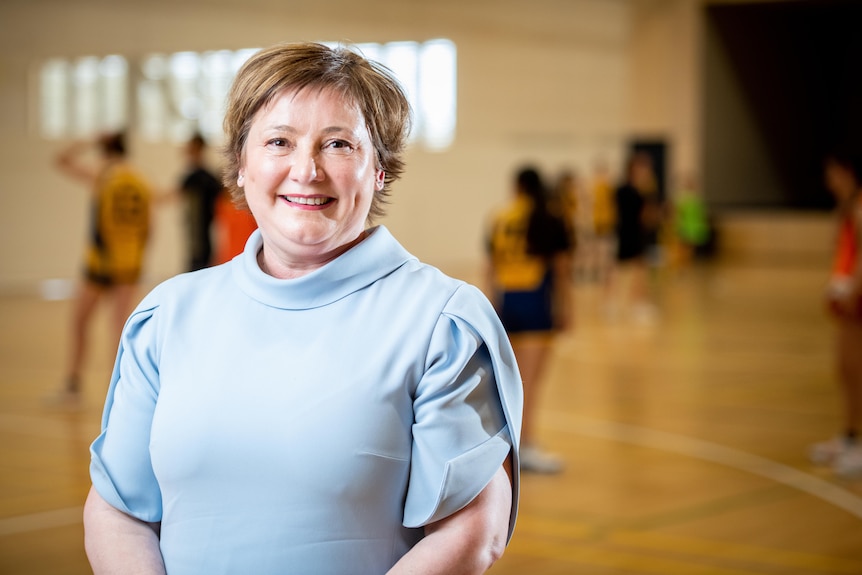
(178,94)
(86,100)
(54,95)
(437,93)
(403,59)
(113,92)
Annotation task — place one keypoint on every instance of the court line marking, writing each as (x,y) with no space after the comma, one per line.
(574,533)
(617,559)
(737,552)
(685,549)
(708,451)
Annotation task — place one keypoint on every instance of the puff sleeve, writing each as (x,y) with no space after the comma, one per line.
(120,465)
(467,412)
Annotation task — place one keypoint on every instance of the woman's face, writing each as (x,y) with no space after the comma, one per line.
(309,173)
(839,180)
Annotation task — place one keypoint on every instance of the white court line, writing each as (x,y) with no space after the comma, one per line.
(43,520)
(708,451)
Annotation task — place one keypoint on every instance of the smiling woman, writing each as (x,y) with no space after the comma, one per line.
(360,414)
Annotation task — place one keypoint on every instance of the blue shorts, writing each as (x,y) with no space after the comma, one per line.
(532,310)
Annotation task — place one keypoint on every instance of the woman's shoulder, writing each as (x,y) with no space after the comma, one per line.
(423,277)
(450,294)
(182,288)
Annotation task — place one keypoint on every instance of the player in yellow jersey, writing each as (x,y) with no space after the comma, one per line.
(530,252)
(119,229)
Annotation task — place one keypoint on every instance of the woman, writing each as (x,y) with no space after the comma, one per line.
(530,250)
(323,403)
(844,452)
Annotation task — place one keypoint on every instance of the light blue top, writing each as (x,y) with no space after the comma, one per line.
(311,425)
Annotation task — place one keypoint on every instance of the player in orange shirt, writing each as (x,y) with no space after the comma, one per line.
(842,175)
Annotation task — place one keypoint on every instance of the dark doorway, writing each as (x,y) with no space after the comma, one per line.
(782,86)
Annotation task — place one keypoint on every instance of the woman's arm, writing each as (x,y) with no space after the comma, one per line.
(117,543)
(69,162)
(468,541)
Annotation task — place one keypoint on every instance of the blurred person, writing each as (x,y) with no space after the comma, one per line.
(199,188)
(529,273)
(565,201)
(598,249)
(843,178)
(119,229)
(233,226)
(654,209)
(563,198)
(636,230)
(323,403)
(691,224)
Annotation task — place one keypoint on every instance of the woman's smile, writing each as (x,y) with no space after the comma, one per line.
(308,201)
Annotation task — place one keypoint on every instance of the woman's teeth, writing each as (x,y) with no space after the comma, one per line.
(307,201)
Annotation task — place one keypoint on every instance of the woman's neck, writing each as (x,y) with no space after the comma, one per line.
(285,269)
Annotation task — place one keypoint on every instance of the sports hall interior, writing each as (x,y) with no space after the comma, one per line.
(685,437)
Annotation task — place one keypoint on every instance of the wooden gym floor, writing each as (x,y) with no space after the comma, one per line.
(684,439)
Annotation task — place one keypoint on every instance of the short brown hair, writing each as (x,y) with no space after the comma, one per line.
(113,144)
(296,66)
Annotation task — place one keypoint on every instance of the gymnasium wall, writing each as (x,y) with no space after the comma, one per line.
(559,83)
(541,81)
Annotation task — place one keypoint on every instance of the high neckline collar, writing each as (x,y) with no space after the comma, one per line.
(376,256)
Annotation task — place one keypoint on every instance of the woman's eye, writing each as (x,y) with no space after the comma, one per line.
(339,147)
(278,142)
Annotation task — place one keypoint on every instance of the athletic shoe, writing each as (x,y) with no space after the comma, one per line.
(826,452)
(65,399)
(849,463)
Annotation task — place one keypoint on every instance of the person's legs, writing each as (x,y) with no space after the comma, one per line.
(123,305)
(86,300)
(640,301)
(605,248)
(849,462)
(532,351)
(849,371)
(627,288)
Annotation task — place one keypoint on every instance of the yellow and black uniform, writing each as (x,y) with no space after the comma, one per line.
(120,227)
(521,247)
(604,210)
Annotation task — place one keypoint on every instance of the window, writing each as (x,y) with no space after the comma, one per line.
(185,92)
(85,96)
(178,94)
(428,72)
(438,93)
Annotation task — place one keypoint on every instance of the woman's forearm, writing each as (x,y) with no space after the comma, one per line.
(469,541)
(69,161)
(117,543)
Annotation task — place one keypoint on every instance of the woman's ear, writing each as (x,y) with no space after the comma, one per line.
(380,180)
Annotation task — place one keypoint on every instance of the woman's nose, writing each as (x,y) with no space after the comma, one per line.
(304,168)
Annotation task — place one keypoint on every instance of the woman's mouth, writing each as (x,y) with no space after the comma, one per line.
(307,201)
